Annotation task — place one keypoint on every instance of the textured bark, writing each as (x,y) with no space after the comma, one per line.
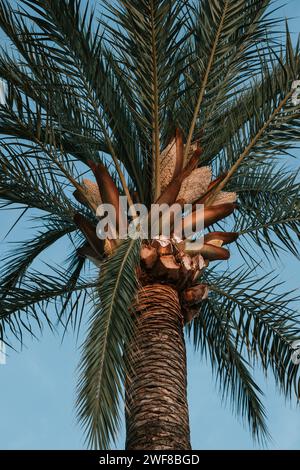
(156,387)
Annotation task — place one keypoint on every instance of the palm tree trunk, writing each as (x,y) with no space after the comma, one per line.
(156,386)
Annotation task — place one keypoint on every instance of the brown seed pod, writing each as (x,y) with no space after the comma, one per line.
(89,231)
(92,191)
(211,188)
(108,190)
(179,153)
(224,237)
(216,243)
(172,159)
(213,214)
(80,197)
(217,181)
(90,194)
(209,216)
(208,252)
(169,195)
(89,253)
(214,253)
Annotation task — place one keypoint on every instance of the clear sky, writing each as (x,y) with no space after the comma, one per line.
(37,385)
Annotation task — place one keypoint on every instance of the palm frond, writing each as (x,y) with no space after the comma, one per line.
(268,211)
(102,367)
(264,323)
(24,181)
(18,260)
(147,36)
(262,121)
(40,297)
(244,322)
(93,72)
(71,311)
(225,39)
(213,336)
(242,108)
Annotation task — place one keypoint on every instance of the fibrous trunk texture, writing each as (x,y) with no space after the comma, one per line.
(156,386)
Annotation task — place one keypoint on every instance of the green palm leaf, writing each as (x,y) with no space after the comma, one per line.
(40,297)
(102,367)
(262,322)
(213,335)
(17,262)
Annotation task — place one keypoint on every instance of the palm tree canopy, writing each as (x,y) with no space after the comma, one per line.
(85,83)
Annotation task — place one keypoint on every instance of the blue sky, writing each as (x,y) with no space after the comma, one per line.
(38,384)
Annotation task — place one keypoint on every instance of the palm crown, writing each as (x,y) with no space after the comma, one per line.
(156,100)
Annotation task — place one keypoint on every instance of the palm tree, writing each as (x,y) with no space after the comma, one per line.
(157,101)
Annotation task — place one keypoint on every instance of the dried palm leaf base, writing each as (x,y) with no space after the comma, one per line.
(194,295)
(177,264)
(190,300)
(149,256)
(190,313)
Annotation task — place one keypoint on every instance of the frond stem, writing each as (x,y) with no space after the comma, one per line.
(110,147)
(204,84)
(249,147)
(155,110)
